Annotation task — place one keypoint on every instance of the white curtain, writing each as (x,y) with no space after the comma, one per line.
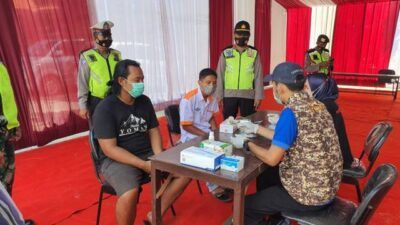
(394,62)
(323,14)
(278,34)
(170,38)
(245,10)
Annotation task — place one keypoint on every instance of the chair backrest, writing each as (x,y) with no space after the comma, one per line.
(95,154)
(385,79)
(374,141)
(173,119)
(374,192)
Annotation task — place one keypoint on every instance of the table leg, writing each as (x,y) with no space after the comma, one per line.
(155,185)
(238,205)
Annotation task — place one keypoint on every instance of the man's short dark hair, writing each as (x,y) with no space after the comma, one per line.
(121,70)
(206,72)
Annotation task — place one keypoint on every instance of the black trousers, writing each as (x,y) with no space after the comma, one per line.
(92,103)
(231,106)
(272,200)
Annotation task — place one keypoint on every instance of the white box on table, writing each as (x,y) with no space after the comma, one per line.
(217,146)
(201,157)
(232,163)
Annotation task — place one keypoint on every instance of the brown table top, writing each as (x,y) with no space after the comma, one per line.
(252,164)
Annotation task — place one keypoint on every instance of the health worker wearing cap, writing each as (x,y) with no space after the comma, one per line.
(317,59)
(96,69)
(304,159)
(240,78)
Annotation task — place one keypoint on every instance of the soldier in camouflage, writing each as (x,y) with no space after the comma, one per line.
(304,155)
(9,129)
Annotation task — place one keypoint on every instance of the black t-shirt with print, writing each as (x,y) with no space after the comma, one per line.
(129,124)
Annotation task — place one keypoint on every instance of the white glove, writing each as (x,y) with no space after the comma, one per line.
(248,127)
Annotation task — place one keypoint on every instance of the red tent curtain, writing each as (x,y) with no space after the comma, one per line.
(347,37)
(262,36)
(363,37)
(378,35)
(221,28)
(50,35)
(298,34)
(10,55)
(298,30)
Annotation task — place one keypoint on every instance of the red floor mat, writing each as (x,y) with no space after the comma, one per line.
(56,184)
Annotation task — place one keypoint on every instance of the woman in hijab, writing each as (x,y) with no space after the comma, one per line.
(325,90)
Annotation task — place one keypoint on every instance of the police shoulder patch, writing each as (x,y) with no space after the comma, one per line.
(116,57)
(92,57)
(228,53)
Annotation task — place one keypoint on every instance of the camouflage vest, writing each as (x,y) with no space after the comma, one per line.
(311,170)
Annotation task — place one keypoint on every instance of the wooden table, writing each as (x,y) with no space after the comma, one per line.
(169,161)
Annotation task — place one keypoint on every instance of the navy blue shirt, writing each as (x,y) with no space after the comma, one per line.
(285,130)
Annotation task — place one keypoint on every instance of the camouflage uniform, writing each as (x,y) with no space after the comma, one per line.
(8,126)
(7,161)
(311,170)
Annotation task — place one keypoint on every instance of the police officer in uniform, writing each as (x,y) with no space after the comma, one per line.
(240,78)
(317,59)
(96,69)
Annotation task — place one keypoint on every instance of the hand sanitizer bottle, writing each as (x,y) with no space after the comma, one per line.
(211,136)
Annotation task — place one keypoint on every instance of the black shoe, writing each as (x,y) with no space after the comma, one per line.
(275,221)
(224,196)
(29,222)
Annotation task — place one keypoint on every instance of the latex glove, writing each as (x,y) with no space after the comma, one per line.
(248,127)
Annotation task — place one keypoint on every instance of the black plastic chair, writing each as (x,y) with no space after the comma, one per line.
(173,124)
(105,187)
(372,145)
(344,212)
(386,79)
(173,121)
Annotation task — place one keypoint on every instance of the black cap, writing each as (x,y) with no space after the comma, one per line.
(287,73)
(323,38)
(242,26)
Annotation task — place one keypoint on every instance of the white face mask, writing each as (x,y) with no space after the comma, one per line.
(277,97)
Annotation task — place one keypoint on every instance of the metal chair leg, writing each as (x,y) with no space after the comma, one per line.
(358,191)
(99,206)
(173,210)
(199,187)
(170,138)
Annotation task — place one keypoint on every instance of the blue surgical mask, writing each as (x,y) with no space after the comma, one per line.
(137,89)
(209,89)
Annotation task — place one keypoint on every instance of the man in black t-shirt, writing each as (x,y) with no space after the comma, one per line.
(126,126)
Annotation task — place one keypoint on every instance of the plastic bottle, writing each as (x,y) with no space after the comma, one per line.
(211,136)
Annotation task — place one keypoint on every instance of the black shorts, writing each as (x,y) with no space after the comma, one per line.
(123,177)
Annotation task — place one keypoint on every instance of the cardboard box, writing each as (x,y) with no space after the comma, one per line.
(232,163)
(227,127)
(201,158)
(217,146)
